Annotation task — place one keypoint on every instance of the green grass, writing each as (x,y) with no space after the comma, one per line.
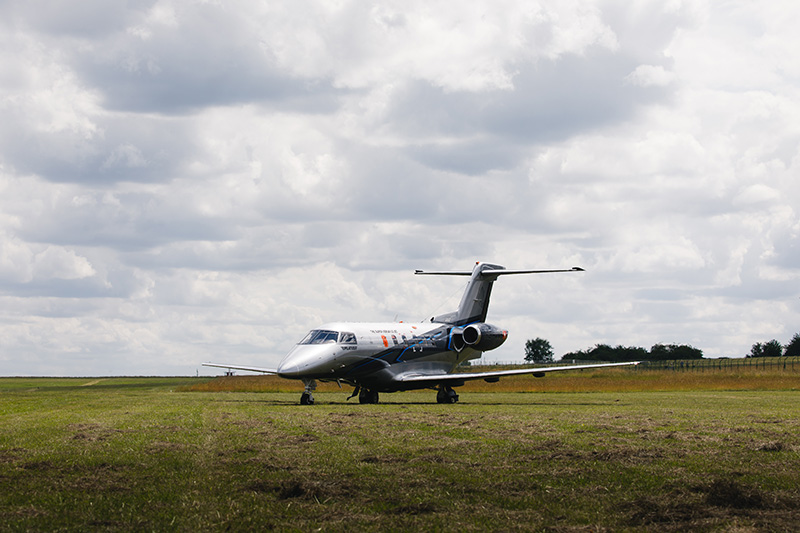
(146,454)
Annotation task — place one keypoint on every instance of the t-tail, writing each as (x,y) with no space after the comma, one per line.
(474,304)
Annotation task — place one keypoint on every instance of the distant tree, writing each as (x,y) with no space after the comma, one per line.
(793,348)
(579,355)
(605,352)
(538,350)
(659,352)
(630,353)
(602,352)
(756,350)
(771,348)
(669,352)
(684,351)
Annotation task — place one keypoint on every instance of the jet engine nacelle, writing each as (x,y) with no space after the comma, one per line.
(482,337)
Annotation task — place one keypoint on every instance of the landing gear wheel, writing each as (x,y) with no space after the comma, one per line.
(367,396)
(306,399)
(446,395)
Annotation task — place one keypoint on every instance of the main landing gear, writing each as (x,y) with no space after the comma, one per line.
(307,398)
(367,396)
(446,395)
(364,395)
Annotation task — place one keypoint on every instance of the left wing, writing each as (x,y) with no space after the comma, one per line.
(436,379)
(248,368)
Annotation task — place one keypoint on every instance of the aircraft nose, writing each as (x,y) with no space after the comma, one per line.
(288,369)
(302,361)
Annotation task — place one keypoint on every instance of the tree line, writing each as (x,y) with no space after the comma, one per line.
(618,354)
(539,350)
(774,348)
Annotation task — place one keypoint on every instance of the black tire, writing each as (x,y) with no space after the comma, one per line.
(306,399)
(367,396)
(446,395)
(441,396)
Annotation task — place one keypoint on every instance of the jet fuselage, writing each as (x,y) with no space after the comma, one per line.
(374,354)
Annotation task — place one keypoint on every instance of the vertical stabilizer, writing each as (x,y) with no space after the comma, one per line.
(475,301)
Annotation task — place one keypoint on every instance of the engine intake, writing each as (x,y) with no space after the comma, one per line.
(481,337)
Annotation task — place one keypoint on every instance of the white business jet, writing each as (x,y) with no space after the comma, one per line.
(378,357)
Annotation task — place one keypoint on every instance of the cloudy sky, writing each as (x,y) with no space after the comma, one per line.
(184,181)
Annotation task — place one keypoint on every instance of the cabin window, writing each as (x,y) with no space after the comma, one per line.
(346,337)
(320,336)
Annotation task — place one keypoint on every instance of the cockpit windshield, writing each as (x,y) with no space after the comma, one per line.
(324,336)
(320,336)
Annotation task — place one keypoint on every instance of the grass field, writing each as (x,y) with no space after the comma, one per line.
(714,454)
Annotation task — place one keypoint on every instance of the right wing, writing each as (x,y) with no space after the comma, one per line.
(248,368)
(437,379)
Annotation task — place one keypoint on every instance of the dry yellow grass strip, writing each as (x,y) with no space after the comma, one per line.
(603,380)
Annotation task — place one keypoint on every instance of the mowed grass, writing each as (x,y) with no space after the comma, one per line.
(151,454)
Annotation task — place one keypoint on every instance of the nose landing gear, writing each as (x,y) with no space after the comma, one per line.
(307,398)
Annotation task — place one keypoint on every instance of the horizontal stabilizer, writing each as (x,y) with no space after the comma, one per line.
(492,272)
(475,301)
(503,272)
(248,368)
(444,272)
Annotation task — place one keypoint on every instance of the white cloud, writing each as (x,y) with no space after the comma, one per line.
(59,263)
(15,260)
(125,155)
(184,181)
(650,75)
